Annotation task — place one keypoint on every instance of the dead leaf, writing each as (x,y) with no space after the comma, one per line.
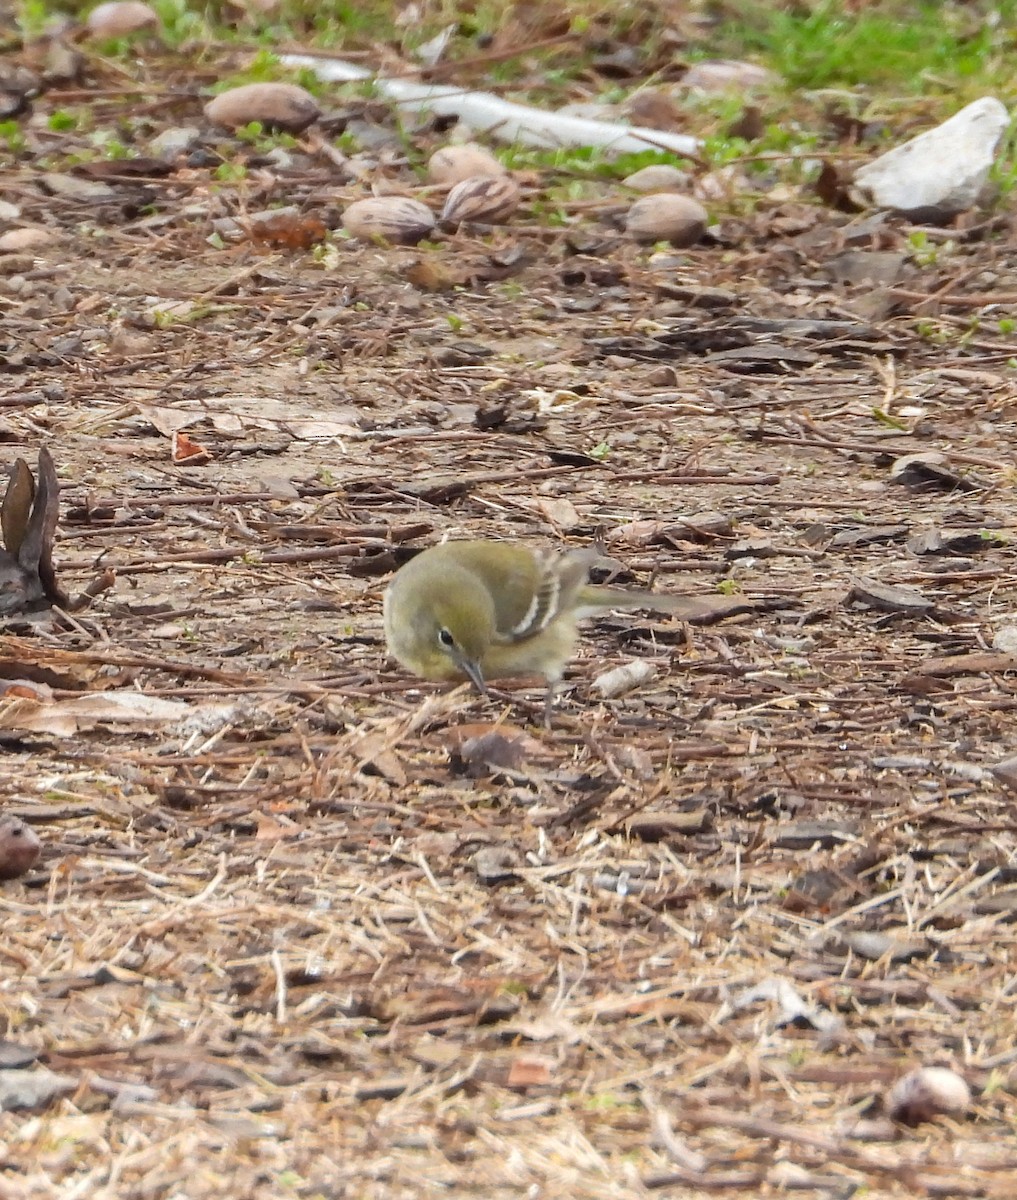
(872,945)
(832,189)
(663,826)
(168,421)
(314,431)
(494,745)
(273,829)
(185,450)
(288,230)
(929,470)
(17,506)
(375,750)
(888,598)
(63,718)
(624,678)
(435,275)
(531,1070)
(125,168)
(951,541)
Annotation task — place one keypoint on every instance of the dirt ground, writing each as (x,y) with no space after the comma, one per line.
(298,933)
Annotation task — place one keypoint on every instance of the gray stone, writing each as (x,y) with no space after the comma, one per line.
(1005,639)
(174,141)
(33,1089)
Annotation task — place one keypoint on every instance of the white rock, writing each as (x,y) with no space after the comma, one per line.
(727,75)
(279,159)
(925,1093)
(1005,639)
(940,172)
(174,141)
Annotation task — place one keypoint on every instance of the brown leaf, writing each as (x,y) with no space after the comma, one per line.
(271,829)
(186,450)
(493,745)
(531,1070)
(288,230)
(434,275)
(704,610)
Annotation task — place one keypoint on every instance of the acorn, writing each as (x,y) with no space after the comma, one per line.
(396,219)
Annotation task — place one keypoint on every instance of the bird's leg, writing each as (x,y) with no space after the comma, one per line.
(549,702)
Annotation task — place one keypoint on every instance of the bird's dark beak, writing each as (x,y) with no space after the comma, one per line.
(471,669)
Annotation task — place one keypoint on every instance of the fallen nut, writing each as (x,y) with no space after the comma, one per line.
(453,164)
(282,106)
(486,198)
(667,217)
(118,18)
(658,177)
(393,218)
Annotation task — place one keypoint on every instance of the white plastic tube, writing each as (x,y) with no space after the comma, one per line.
(501,119)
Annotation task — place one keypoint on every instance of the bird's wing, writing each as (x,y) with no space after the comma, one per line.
(555,588)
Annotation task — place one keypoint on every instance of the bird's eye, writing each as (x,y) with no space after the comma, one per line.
(446,639)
